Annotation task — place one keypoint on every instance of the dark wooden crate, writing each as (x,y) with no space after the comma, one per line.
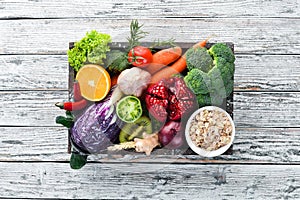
(227,104)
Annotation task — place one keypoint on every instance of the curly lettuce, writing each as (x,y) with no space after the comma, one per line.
(91,48)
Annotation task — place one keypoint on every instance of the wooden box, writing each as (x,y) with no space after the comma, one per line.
(227,103)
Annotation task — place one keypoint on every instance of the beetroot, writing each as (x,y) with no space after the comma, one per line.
(170,99)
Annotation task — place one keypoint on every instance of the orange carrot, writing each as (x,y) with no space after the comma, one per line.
(164,57)
(167,72)
(200,44)
(177,67)
(203,43)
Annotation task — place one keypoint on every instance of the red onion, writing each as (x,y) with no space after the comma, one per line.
(171,135)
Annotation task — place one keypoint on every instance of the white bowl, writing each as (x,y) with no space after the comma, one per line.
(202,151)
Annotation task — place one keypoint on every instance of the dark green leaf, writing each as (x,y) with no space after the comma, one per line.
(117,61)
(69,115)
(65,121)
(77,160)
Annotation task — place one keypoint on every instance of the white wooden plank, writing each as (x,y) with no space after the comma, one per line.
(154,8)
(27,72)
(250,35)
(275,109)
(251,145)
(30,108)
(33,144)
(253,72)
(251,109)
(149,181)
(267,144)
(267,72)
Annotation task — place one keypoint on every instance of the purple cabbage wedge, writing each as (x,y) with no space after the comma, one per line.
(97,128)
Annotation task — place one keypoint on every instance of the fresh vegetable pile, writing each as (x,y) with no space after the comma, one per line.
(140,97)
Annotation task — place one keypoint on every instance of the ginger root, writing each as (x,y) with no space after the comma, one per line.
(147,144)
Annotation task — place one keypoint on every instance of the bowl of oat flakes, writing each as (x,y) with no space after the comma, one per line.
(210,131)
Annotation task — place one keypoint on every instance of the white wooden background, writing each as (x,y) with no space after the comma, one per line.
(34,37)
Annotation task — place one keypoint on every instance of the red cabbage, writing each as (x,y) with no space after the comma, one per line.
(97,128)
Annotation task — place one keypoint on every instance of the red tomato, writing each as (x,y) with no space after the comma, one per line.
(140,56)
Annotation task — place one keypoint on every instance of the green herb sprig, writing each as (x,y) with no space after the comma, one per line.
(161,43)
(135,34)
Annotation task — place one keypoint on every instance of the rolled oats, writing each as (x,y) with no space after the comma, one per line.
(210,130)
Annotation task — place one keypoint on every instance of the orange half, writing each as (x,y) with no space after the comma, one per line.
(94,82)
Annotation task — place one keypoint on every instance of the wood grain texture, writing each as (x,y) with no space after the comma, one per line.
(33,144)
(34,72)
(148,181)
(253,72)
(153,8)
(267,72)
(251,145)
(33,43)
(250,35)
(30,108)
(274,109)
(251,109)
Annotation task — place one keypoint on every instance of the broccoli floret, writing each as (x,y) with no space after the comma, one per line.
(209,99)
(203,100)
(223,91)
(229,87)
(216,98)
(224,64)
(221,73)
(197,81)
(199,58)
(213,87)
(221,50)
(215,76)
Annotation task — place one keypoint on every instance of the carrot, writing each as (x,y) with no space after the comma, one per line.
(177,67)
(200,44)
(204,42)
(164,57)
(167,72)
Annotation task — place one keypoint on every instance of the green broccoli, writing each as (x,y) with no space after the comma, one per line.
(223,64)
(221,50)
(213,87)
(216,97)
(209,99)
(203,100)
(221,73)
(217,82)
(229,87)
(199,58)
(197,81)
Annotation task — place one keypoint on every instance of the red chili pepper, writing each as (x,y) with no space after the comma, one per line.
(78,105)
(76,91)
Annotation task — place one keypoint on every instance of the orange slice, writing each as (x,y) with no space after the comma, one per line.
(94,82)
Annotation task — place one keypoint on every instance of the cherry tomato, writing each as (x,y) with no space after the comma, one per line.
(140,56)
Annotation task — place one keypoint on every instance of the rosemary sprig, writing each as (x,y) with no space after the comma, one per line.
(158,43)
(135,34)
